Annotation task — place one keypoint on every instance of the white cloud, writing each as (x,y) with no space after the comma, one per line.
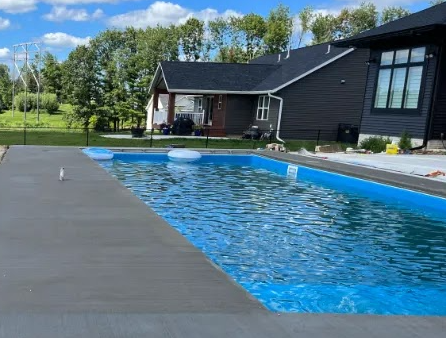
(164,13)
(336,6)
(81,2)
(64,40)
(62,13)
(97,14)
(23,6)
(4,53)
(4,23)
(18,6)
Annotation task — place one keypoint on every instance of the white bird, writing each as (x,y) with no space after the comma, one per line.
(62,174)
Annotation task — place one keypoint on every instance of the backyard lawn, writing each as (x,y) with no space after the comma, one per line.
(58,137)
(45,120)
(52,131)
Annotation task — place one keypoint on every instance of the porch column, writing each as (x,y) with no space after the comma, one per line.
(171,108)
(155,100)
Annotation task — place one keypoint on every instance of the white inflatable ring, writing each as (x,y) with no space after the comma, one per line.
(98,154)
(184,155)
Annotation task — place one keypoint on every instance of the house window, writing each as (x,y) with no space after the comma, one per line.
(200,104)
(399,79)
(220,101)
(263,108)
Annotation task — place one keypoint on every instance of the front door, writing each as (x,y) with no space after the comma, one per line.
(209,110)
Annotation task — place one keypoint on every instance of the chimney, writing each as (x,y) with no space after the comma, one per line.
(278,60)
(328,50)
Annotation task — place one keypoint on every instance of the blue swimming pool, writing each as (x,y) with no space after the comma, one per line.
(319,243)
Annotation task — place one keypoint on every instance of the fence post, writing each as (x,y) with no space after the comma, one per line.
(24,135)
(207,138)
(151,137)
(318,137)
(88,134)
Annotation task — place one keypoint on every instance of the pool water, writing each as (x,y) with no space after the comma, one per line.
(299,245)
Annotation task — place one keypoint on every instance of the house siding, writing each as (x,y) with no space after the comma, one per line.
(394,124)
(238,113)
(318,103)
(273,113)
(439,110)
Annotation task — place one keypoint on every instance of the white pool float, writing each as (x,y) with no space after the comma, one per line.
(98,154)
(184,155)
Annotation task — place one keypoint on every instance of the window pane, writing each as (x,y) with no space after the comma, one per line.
(267,98)
(396,92)
(259,114)
(382,88)
(418,54)
(413,87)
(402,56)
(260,107)
(386,58)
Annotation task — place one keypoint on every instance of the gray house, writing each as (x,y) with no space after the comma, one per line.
(303,94)
(406,78)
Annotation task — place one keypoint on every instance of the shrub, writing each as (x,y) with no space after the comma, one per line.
(71,119)
(405,141)
(375,144)
(19,101)
(49,103)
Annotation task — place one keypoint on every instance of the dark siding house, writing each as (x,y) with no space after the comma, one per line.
(406,81)
(301,94)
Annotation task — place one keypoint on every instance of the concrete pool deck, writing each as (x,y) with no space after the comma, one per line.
(87,258)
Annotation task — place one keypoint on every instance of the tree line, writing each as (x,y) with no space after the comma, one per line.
(107,80)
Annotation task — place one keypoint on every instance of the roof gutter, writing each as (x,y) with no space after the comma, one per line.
(356,42)
(279,119)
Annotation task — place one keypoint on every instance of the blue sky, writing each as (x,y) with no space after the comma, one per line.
(62,24)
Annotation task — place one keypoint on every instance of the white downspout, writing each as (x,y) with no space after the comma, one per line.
(279,120)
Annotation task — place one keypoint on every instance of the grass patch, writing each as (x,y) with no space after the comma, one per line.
(64,137)
(45,119)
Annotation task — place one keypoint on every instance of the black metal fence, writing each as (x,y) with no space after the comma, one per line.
(204,138)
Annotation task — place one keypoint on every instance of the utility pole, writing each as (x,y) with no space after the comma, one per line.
(24,55)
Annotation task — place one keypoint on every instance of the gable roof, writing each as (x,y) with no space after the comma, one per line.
(214,76)
(299,64)
(261,75)
(428,18)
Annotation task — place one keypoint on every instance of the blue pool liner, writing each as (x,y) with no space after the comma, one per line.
(373,190)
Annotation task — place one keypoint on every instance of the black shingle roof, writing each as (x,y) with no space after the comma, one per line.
(433,16)
(262,74)
(301,61)
(214,76)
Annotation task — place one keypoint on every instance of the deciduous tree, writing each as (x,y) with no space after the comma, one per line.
(279,26)
(393,13)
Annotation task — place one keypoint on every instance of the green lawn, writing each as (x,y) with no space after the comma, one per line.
(46,120)
(79,138)
(12,132)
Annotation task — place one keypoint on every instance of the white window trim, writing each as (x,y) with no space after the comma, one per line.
(200,104)
(220,102)
(261,107)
